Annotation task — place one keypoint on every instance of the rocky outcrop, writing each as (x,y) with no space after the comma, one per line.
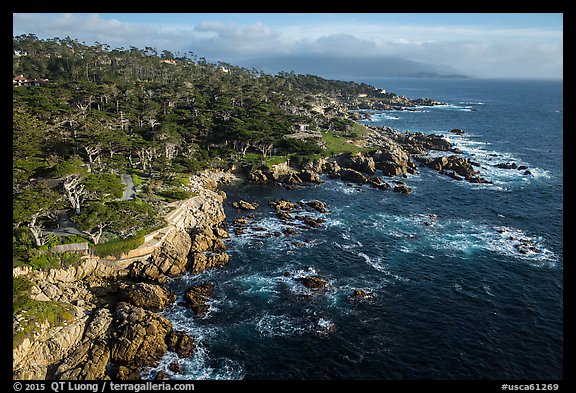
(402,188)
(506,165)
(172,257)
(257,176)
(357,162)
(89,360)
(197,297)
(360,294)
(32,358)
(453,166)
(201,262)
(318,206)
(353,176)
(208,248)
(281,205)
(181,343)
(244,205)
(148,296)
(313,282)
(102,338)
(139,336)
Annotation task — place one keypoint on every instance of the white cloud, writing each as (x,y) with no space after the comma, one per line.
(473,49)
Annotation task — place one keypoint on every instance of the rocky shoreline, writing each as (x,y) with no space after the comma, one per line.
(115,332)
(390,153)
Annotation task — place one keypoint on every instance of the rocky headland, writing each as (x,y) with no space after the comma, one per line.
(112,329)
(387,153)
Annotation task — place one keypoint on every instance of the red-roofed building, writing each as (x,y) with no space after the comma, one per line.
(20,80)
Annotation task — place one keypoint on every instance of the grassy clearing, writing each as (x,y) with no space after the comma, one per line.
(337,144)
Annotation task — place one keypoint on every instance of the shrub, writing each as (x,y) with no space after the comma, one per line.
(118,247)
(176,195)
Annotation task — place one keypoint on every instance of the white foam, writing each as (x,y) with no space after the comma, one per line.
(472,103)
(478,151)
(270,325)
(325,326)
(454,107)
(376,263)
(459,238)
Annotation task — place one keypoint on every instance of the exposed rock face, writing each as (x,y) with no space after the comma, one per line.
(97,343)
(139,336)
(352,175)
(148,296)
(360,294)
(201,262)
(181,343)
(90,359)
(314,282)
(457,131)
(452,165)
(207,250)
(378,183)
(313,222)
(281,205)
(309,176)
(207,240)
(506,165)
(32,358)
(257,176)
(333,169)
(318,205)
(403,189)
(197,297)
(244,205)
(172,257)
(357,162)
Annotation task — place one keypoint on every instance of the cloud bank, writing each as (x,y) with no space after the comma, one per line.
(477,50)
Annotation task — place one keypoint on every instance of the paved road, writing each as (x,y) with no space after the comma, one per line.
(129,192)
(65,226)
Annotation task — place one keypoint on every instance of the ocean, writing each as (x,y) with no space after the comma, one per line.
(452,297)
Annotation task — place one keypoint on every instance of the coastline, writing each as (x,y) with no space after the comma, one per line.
(107,292)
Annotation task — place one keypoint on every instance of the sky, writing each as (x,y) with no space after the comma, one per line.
(482,45)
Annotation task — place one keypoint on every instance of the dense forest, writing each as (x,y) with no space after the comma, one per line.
(101,113)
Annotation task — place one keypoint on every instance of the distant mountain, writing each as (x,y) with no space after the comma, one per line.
(346,67)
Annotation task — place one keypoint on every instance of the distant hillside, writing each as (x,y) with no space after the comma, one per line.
(344,67)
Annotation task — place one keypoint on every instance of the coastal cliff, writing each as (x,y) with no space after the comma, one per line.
(111,329)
